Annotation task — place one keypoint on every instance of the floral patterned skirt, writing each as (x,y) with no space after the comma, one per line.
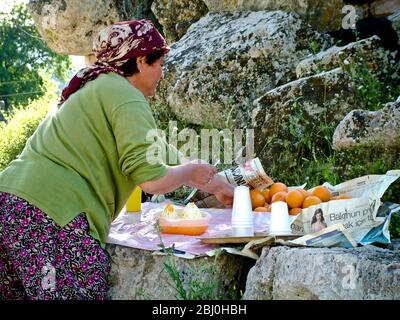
(41,260)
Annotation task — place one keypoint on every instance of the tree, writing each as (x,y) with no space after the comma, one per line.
(25,59)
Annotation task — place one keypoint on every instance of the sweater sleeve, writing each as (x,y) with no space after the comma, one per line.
(141,156)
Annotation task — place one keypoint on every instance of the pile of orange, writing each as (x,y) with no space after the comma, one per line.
(296,199)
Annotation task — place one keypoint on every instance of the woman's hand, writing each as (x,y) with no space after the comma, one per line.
(201,174)
(222,190)
(225,196)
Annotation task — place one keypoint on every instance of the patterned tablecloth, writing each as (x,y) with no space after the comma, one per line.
(139,230)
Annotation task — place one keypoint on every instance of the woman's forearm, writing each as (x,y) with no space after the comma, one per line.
(188,174)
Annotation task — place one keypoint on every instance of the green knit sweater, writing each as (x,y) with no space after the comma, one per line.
(88,155)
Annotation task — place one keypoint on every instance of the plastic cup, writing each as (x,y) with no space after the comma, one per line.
(280,223)
(242,214)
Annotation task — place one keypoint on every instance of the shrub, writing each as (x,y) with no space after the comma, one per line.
(19,126)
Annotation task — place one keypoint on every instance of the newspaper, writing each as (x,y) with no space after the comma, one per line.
(335,235)
(250,173)
(358,215)
(380,234)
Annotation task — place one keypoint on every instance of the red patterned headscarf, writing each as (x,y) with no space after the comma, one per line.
(115,45)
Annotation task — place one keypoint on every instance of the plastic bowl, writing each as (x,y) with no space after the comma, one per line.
(191,227)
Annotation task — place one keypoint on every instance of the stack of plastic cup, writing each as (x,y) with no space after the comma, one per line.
(280,223)
(242,214)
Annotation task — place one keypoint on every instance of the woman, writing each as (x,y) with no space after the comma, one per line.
(317,221)
(59,197)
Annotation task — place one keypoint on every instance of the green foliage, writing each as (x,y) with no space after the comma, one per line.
(305,152)
(377,160)
(315,47)
(395,226)
(24,58)
(20,125)
(377,82)
(372,92)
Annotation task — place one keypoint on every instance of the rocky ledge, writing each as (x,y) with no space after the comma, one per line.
(281,272)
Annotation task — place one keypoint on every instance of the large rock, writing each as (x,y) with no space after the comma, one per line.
(226,60)
(369,50)
(367,128)
(68,26)
(322,15)
(367,273)
(285,115)
(138,274)
(176,16)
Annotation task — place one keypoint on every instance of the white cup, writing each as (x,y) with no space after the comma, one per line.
(242,214)
(280,223)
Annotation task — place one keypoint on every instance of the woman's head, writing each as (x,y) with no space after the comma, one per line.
(123,48)
(145,72)
(318,216)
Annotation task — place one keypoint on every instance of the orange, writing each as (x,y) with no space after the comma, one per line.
(304,192)
(295,211)
(279,196)
(266,208)
(295,199)
(311,201)
(261,209)
(266,195)
(322,192)
(276,187)
(257,199)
